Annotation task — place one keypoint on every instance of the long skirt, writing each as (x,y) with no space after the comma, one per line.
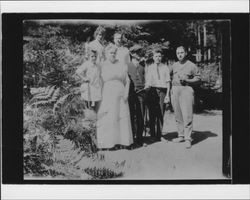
(113,118)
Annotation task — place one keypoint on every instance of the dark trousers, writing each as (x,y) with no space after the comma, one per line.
(155,103)
(137,110)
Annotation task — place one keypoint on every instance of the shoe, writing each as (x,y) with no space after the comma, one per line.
(179,139)
(145,145)
(188,144)
(157,139)
(138,144)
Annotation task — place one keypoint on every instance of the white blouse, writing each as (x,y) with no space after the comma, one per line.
(91,91)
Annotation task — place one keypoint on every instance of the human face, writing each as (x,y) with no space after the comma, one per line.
(181,53)
(118,39)
(93,57)
(112,55)
(157,58)
(99,37)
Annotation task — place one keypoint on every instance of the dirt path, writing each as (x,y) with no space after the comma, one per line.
(168,160)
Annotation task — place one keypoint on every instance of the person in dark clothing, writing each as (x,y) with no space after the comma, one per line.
(136,95)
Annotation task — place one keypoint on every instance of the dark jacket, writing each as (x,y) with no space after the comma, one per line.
(137,77)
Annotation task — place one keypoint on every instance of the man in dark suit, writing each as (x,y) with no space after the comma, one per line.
(157,88)
(136,98)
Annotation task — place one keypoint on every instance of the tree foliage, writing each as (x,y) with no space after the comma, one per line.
(52,51)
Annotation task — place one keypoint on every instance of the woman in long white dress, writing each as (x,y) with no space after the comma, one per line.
(113,124)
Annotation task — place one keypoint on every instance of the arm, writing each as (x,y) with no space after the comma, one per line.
(101,78)
(83,79)
(193,80)
(126,82)
(102,54)
(196,76)
(147,77)
(127,85)
(168,89)
(81,73)
(127,58)
(168,85)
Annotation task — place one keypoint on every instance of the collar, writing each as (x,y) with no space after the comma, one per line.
(161,64)
(98,43)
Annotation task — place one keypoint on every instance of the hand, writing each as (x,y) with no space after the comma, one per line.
(183,80)
(83,88)
(166,100)
(147,88)
(125,97)
(77,78)
(87,80)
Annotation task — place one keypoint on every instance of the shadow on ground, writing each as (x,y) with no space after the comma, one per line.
(209,112)
(197,136)
(147,140)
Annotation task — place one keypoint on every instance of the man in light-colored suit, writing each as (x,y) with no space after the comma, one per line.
(185,75)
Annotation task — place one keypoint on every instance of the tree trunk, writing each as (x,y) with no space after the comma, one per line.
(198,51)
(205,42)
(199,36)
(209,54)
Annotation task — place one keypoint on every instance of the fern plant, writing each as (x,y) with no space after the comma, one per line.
(59,113)
(45,96)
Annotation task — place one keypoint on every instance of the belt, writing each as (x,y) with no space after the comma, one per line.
(181,85)
(159,88)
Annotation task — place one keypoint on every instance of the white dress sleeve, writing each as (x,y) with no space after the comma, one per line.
(167,76)
(81,69)
(127,57)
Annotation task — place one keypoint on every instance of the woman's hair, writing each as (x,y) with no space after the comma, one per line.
(109,47)
(118,33)
(181,46)
(98,30)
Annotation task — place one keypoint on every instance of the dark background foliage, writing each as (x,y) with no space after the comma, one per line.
(53,50)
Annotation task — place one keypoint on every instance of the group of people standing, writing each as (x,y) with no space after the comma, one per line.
(122,91)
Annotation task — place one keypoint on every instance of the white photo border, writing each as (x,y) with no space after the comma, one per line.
(125,191)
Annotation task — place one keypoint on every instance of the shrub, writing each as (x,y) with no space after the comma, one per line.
(38,143)
(209,74)
(102,173)
(208,95)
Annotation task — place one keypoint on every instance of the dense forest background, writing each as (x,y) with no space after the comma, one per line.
(57,132)
(50,46)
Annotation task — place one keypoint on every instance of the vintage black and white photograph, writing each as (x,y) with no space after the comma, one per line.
(123,99)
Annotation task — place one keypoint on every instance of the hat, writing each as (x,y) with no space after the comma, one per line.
(135,48)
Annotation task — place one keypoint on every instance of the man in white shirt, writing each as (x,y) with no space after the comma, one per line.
(122,53)
(157,86)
